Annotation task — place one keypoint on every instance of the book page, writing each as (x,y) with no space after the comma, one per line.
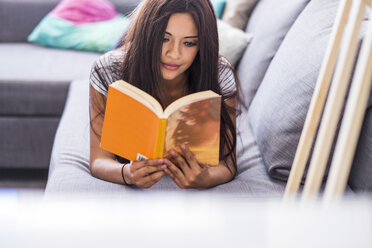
(139,95)
(183,101)
(197,125)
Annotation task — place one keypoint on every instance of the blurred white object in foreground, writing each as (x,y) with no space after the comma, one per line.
(180,220)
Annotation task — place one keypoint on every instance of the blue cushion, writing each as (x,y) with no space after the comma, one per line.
(218,6)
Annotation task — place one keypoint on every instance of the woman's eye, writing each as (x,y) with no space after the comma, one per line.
(165,40)
(190,44)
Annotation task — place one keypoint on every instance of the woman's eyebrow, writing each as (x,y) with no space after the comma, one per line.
(195,36)
(187,37)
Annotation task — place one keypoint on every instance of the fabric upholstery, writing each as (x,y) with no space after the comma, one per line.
(219,6)
(29,62)
(361,171)
(82,25)
(237,12)
(32,98)
(69,167)
(19,17)
(232,41)
(33,89)
(85,11)
(278,110)
(26,141)
(269,23)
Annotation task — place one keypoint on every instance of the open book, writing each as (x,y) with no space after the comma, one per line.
(136,127)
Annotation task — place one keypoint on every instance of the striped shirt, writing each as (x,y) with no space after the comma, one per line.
(106,70)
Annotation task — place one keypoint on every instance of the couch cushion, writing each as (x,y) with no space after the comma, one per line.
(34,79)
(32,98)
(69,166)
(269,23)
(232,41)
(82,25)
(26,141)
(218,6)
(28,62)
(278,111)
(19,17)
(237,12)
(361,172)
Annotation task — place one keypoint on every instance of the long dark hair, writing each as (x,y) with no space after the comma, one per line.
(143,46)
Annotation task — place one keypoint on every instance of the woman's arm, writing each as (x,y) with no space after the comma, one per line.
(104,165)
(187,173)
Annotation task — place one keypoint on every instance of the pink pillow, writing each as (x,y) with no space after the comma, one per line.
(85,11)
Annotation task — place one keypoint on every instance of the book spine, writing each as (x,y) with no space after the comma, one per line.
(161,138)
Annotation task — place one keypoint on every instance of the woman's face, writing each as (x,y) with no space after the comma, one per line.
(180,46)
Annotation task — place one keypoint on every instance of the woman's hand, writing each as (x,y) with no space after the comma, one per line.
(144,174)
(185,170)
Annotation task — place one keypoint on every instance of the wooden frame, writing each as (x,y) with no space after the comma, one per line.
(351,12)
(352,122)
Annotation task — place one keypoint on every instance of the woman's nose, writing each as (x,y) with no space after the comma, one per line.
(174,51)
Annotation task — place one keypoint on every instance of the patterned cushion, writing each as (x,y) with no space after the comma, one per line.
(218,6)
(82,25)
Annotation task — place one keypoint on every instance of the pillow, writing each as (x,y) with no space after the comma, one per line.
(279,108)
(82,25)
(237,12)
(361,171)
(269,28)
(232,41)
(218,6)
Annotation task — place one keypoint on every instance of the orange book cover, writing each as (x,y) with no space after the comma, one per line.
(136,127)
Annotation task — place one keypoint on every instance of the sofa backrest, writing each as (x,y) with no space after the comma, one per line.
(278,110)
(269,23)
(19,17)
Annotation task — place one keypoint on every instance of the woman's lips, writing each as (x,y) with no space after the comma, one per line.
(171,67)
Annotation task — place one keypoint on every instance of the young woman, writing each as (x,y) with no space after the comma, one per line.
(170,50)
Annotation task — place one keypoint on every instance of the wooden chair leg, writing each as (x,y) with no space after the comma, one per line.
(369,3)
(352,122)
(317,101)
(335,101)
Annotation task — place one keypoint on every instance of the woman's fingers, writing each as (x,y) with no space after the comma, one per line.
(180,161)
(175,179)
(185,170)
(150,180)
(171,175)
(144,163)
(176,174)
(145,171)
(190,157)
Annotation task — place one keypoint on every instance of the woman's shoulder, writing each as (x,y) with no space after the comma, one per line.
(227,79)
(110,59)
(222,61)
(106,70)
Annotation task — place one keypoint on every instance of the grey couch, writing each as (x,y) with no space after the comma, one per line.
(34,81)
(278,72)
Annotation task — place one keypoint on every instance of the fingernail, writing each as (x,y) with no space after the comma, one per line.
(161,161)
(163,167)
